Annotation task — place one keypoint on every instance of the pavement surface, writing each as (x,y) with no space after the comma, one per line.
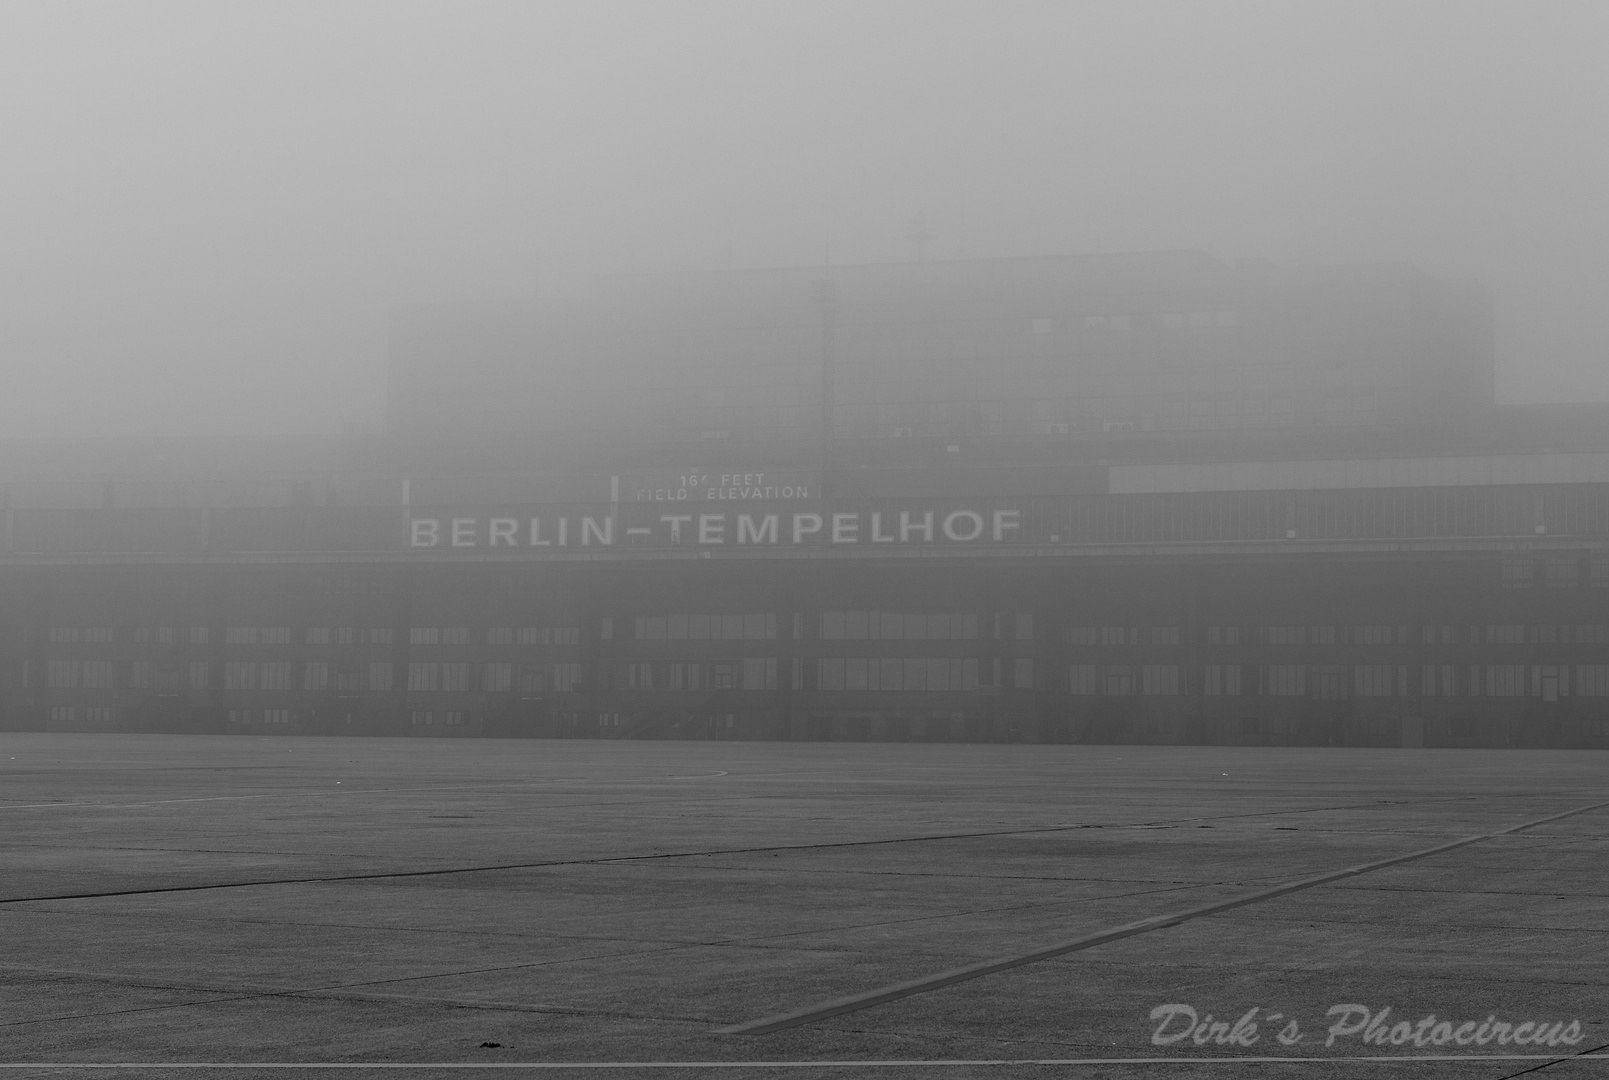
(178,901)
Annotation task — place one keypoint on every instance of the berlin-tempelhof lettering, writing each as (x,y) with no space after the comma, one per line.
(711,530)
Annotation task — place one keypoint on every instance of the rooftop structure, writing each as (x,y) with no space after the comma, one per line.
(1000,350)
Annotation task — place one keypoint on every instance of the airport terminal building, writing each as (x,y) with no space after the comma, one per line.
(1153,498)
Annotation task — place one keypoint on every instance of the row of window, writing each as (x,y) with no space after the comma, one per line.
(268,716)
(1339,514)
(1123,680)
(318,635)
(896,626)
(1327,682)
(918,673)
(497,635)
(833,626)
(1517,680)
(426,718)
(89,674)
(863,673)
(1128,635)
(495,678)
(314,676)
(1494,634)
(1388,727)
(97,715)
(72,634)
(877,626)
(756,626)
(751,673)
(1592,727)
(1518,573)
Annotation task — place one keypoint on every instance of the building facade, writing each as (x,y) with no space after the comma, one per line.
(1150,499)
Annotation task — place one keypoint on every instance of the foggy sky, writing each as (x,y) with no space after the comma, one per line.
(208,211)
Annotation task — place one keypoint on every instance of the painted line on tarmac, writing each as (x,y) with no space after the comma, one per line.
(598,861)
(894,1063)
(855,1003)
(355,991)
(606,859)
(54,805)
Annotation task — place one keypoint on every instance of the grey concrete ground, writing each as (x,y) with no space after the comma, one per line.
(223,899)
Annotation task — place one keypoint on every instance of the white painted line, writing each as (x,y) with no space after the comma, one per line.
(854,1003)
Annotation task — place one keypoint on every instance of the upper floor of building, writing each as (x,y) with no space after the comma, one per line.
(1069,349)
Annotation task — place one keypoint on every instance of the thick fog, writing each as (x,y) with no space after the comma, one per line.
(208,211)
